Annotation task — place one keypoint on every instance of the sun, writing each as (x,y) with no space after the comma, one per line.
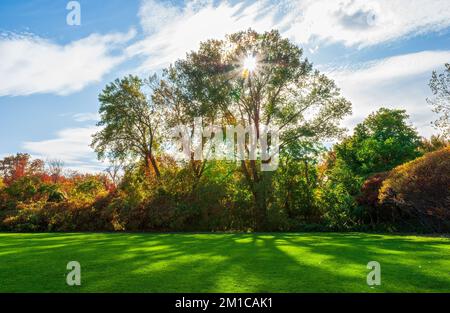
(250,63)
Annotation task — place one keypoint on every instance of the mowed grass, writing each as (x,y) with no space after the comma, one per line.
(318,262)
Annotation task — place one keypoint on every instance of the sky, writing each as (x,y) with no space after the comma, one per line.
(380,53)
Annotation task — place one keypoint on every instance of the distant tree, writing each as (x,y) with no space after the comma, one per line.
(440,87)
(16,166)
(55,169)
(130,123)
(381,142)
(433,144)
(114,171)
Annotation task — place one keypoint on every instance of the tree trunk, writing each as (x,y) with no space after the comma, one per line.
(260,209)
(261,190)
(150,161)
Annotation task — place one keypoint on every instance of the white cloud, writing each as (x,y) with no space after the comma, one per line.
(395,82)
(392,68)
(31,64)
(87,116)
(367,22)
(172,31)
(71,145)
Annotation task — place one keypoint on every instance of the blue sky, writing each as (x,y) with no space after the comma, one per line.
(381,53)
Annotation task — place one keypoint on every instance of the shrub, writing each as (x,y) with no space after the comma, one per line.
(24,188)
(370,210)
(26,217)
(419,191)
(338,206)
(89,187)
(53,192)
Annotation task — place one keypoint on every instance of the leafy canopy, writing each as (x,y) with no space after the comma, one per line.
(130,123)
(381,142)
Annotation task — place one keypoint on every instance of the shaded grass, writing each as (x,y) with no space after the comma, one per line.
(281,262)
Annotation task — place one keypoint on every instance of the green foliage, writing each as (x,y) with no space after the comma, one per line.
(26,218)
(24,188)
(296,184)
(381,142)
(338,206)
(89,186)
(214,84)
(53,192)
(339,173)
(129,123)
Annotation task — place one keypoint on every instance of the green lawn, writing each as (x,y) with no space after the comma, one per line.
(121,262)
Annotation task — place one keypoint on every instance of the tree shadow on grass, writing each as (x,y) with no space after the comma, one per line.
(221,262)
(408,263)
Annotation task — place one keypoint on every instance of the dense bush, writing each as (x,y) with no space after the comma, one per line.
(303,196)
(418,192)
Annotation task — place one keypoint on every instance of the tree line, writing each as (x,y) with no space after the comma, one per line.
(382,177)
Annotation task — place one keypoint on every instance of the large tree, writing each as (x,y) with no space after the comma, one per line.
(440,87)
(130,123)
(255,79)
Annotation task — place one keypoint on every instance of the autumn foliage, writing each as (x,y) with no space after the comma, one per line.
(419,191)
